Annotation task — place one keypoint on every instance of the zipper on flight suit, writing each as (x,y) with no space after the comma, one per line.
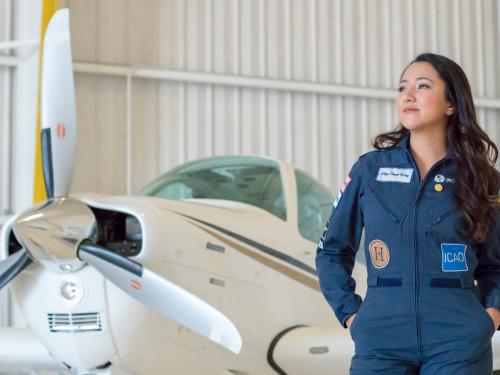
(415,239)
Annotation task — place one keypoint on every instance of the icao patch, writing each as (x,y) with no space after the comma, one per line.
(401,175)
(453,257)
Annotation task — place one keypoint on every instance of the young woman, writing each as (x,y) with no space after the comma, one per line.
(427,199)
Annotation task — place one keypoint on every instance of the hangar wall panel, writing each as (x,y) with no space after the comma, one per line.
(359,43)
(4,295)
(4,90)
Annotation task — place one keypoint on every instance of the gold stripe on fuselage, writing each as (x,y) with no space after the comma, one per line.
(281,268)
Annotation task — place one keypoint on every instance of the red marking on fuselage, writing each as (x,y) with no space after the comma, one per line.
(60,131)
(136,284)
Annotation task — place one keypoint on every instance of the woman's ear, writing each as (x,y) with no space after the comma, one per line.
(450,110)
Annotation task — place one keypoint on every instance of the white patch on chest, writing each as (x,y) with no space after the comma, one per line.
(402,175)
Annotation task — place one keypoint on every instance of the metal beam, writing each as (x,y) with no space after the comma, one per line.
(239,81)
(14,44)
(250,82)
(9,61)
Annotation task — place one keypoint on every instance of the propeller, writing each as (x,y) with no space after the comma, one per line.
(56,234)
(162,295)
(58,109)
(13,265)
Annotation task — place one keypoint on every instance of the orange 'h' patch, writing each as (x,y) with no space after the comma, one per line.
(379,253)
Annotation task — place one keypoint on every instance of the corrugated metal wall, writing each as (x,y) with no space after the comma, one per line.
(328,43)
(4,88)
(337,42)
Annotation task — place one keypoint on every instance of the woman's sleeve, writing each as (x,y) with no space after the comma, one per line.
(337,248)
(487,272)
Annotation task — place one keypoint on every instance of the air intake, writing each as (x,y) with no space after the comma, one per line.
(75,323)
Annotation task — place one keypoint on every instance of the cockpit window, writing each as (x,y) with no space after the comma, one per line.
(315,203)
(246,179)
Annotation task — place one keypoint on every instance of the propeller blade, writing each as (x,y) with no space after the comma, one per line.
(10,267)
(58,109)
(162,295)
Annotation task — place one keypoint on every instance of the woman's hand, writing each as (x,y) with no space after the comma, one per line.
(495,316)
(351,319)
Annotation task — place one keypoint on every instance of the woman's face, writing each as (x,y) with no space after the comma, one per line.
(421,102)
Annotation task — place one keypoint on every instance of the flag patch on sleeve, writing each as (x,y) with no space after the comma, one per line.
(341,192)
(335,204)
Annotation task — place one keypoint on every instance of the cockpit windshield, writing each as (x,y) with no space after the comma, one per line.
(315,203)
(246,179)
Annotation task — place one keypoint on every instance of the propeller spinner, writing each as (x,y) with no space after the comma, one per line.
(61,233)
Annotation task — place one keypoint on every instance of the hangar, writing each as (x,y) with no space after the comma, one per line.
(209,143)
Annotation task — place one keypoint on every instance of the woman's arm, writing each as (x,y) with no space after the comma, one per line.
(487,272)
(337,248)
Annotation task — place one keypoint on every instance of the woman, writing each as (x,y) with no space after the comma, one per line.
(428,201)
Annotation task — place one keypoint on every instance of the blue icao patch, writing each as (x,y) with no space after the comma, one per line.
(453,257)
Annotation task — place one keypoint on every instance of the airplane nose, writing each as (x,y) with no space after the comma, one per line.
(52,231)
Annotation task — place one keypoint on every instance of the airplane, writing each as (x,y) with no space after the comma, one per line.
(209,269)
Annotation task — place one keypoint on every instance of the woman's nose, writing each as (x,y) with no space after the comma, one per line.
(408,97)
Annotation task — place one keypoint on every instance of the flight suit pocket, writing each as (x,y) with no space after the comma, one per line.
(383,217)
(378,281)
(445,250)
(471,304)
(357,319)
(480,312)
(394,209)
(443,223)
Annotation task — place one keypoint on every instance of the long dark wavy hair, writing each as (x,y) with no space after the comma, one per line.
(477,182)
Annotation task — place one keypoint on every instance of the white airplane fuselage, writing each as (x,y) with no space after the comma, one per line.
(204,246)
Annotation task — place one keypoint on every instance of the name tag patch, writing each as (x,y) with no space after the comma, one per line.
(453,257)
(402,175)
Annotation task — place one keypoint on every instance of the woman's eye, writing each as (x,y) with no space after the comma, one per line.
(401,89)
(423,86)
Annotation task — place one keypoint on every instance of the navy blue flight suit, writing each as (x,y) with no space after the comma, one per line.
(423,313)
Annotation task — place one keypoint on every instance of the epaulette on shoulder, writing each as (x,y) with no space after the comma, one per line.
(370,153)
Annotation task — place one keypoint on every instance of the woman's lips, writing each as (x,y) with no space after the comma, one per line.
(410,110)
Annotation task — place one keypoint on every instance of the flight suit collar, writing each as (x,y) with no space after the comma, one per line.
(404,144)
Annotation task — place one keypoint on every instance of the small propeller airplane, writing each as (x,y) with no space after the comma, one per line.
(207,270)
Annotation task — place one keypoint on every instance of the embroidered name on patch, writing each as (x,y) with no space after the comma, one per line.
(402,175)
(379,253)
(453,257)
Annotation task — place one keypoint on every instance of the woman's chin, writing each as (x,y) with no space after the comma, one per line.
(413,126)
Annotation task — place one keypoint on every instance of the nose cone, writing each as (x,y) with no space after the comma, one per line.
(51,232)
